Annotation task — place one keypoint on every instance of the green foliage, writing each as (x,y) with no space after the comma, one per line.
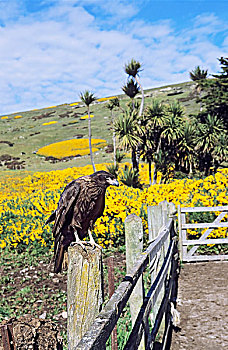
(208,133)
(123,329)
(133,105)
(171,139)
(198,74)
(131,89)
(132,68)
(154,113)
(163,133)
(113,169)
(127,129)
(212,143)
(130,177)
(87,97)
(172,130)
(215,101)
(113,103)
(119,156)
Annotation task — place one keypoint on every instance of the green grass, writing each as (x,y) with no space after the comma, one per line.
(28,134)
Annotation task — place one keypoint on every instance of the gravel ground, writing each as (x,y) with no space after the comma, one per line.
(203,306)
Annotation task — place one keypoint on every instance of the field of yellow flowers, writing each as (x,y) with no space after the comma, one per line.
(26,202)
(68,148)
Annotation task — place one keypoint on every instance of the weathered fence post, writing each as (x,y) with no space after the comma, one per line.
(157,217)
(111,289)
(84,291)
(154,221)
(182,233)
(134,247)
(165,217)
(172,210)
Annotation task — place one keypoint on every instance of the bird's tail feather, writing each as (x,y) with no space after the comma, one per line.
(51,218)
(59,256)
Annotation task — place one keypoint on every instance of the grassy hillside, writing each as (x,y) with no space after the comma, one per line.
(22,134)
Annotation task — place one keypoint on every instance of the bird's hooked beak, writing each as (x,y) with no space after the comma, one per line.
(113,182)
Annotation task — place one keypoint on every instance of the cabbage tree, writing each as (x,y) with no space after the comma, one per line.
(88,98)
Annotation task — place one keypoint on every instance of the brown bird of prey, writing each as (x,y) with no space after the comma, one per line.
(81,204)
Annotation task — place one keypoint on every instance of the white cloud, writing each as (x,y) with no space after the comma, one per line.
(48,57)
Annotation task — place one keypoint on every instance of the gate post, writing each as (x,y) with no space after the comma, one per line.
(84,291)
(182,234)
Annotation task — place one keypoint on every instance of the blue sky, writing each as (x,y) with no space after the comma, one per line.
(50,51)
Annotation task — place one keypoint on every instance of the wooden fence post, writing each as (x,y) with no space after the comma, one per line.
(182,234)
(84,291)
(154,221)
(165,213)
(172,211)
(111,290)
(165,217)
(157,217)
(134,247)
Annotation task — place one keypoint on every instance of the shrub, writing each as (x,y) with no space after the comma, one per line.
(130,177)
(113,169)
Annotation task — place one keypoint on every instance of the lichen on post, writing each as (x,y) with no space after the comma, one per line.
(84,290)
(134,248)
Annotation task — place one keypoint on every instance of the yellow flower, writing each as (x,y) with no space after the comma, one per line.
(74,104)
(26,202)
(86,116)
(50,123)
(2,244)
(106,98)
(69,148)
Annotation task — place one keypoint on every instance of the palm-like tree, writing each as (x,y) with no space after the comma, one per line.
(221,149)
(113,103)
(128,132)
(173,128)
(209,134)
(132,69)
(199,76)
(131,89)
(172,131)
(164,130)
(153,122)
(187,148)
(155,113)
(88,97)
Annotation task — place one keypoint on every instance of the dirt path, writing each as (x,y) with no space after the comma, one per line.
(203,307)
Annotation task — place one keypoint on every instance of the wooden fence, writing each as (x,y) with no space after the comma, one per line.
(188,255)
(154,312)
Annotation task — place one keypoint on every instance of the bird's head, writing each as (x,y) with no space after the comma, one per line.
(104,178)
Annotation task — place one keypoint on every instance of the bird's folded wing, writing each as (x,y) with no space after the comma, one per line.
(68,198)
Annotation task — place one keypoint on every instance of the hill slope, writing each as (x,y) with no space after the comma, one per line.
(22,134)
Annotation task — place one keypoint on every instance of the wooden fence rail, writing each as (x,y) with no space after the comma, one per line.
(101,329)
(187,255)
